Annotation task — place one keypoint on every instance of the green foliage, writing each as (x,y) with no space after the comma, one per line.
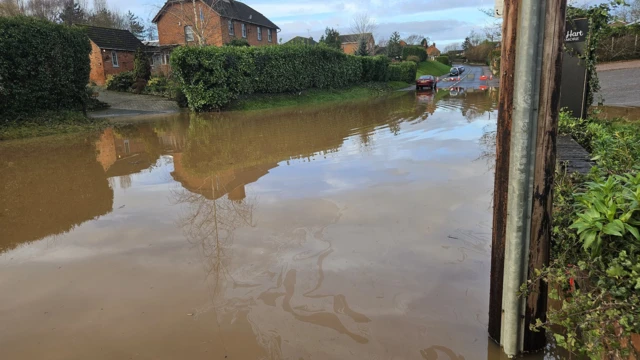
(404,71)
(394,49)
(238,42)
(212,77)
(374,68)
(141,65)
(443,60)
(413,58)
(418,51)
(43,67)
(331,38)
(434,68)
(362,47)
(595,272)
(120,82)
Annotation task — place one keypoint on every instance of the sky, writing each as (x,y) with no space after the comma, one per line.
(442,21)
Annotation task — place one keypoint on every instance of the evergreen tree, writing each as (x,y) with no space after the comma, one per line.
(72,13)
(362,47)
(394,49)
(135,25)
(331,38)
(466,45)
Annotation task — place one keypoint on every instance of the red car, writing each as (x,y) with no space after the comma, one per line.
(426,81)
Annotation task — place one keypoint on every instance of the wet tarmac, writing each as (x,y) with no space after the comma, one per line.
(353,231)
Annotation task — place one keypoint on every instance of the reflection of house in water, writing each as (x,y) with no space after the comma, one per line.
(229,182)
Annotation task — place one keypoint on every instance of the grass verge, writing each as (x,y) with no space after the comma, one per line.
(432,68)
(66,122)
(315,96)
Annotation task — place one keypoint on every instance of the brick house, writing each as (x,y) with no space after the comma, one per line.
(112,51)
(214,22)
(433,52)
(351,42)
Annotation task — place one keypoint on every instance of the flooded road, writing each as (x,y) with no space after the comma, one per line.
(355,231)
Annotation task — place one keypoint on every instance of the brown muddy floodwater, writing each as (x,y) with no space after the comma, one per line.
(355,231)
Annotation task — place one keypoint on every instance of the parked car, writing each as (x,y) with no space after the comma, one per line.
(454,71)
(426,81)
(461,69)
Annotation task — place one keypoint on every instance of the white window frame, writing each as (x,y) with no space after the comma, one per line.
(187,33)
(166,59)
(269,36)
(244,30)
(259,32)
(231,28)
(114,59)
(157,59)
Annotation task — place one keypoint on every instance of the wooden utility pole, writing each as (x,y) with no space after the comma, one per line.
(548,98)
(545,167)
(501,181)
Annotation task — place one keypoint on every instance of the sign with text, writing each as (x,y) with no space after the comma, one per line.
(573,88)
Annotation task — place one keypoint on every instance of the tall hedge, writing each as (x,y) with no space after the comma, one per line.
(212,77)
(443,59)
(43,67)
(404,71)
(375,68)
(418,51)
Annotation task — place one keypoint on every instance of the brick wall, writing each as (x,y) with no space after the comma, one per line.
(97,70)
(125,62)
(171,27)
(102,66)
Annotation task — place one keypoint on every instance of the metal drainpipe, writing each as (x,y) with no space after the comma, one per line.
(530,37)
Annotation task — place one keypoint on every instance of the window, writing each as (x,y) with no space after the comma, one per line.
(231,32)
(244,31)
(114,59)
(157,59)
(259,33)
(269,35)
(201,16)
(166,58)
(188,33)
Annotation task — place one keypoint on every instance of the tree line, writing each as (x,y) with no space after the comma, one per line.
(78,12)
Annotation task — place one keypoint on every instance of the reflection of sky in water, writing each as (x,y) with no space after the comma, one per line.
(429,150)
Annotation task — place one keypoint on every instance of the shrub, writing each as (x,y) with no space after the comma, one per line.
(374,68)
(43,67)
(141,65)
(157,85)
(444,60)
(404,71)
(238,42)
(212,77)
(413,58)
(120,82)
(418,51)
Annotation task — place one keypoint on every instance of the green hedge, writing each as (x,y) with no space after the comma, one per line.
(443,59)
(43,67)
(375,68)
(212,77)
(418,51)
(404,71)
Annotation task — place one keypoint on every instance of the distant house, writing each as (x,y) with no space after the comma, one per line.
(212,22)
(350,43)
(112,52)
(433,52)
(302,40)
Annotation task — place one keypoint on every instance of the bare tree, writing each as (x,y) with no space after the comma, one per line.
(452,47)
(415,39)
(363,24)
(44,9)
(199,17)
(10,8)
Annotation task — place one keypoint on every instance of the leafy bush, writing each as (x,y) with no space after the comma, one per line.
(43,67)
(404,71)
(374,68)
(212,77)
(413,58)
(120,82)
(418,51)
(238,42)
(444,60)
(157,85)
(141,65)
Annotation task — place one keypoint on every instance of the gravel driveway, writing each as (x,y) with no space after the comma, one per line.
(128,104)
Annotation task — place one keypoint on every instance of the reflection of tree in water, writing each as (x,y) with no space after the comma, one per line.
(488,143)
(125,181)
(210,225)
